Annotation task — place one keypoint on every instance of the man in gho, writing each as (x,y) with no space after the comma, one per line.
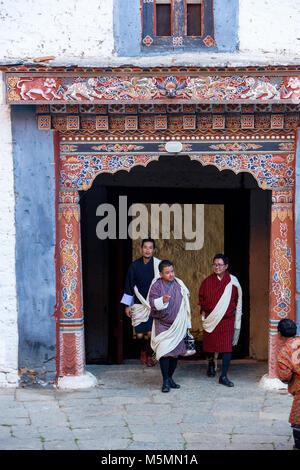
(220,300)
(138,280)
(170,308)
(288,369)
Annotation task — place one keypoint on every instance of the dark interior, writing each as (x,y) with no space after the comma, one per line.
(108,332)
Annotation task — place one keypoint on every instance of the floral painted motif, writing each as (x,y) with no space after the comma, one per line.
(235,147)
(268,173)
(177,41)
(281,282)
(117,147)
(82,170)
(68,269)
(209,41)
(147,41)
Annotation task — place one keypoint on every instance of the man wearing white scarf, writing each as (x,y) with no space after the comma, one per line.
(170,308)
(220,300)
(138,280)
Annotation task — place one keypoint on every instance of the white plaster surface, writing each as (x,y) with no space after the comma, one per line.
(268,383)
(79,35)
(87,380)
(61,28)
(270,26)
(8,302)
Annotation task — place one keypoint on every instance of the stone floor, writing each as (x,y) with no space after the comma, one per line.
(127,410)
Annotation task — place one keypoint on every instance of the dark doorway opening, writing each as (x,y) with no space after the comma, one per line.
(108,332)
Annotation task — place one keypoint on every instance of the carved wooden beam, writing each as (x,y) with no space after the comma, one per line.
(138,87)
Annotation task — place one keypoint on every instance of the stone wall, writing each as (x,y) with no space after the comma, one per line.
(8,312)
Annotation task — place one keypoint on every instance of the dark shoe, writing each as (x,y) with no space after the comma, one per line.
(165,387)
(150,362)
(211,371)
(173,384)
(143,358)
(225,381)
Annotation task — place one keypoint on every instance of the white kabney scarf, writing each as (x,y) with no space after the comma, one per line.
(140,312)
(214,318)
(167,340)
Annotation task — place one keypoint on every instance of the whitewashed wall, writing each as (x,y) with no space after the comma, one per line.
(270,27)
(77,33)
(8,302)
(70,29)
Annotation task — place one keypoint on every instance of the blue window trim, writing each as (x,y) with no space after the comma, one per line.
(178,40)
(128,31)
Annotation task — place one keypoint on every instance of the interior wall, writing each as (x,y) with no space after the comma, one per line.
(259,267)
(209,186)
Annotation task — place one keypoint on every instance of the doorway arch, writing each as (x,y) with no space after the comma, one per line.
(223,194)
(271,167)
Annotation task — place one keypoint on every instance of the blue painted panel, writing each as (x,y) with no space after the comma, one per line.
(226,16)
(128,30)
(297,228)
(127,27)
(35,238)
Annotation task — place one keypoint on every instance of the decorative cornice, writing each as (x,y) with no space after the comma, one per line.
(269,158)
(172,122)
(136,86)
(42,69)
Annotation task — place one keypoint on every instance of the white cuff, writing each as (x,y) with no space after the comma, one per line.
(127,299)
(159,304)
(236,335)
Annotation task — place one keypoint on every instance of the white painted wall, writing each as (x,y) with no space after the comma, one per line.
(80,33)
(71,29)
(270,26)
(8,302)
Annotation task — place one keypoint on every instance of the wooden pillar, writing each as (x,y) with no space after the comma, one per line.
(282,270)
(69,309)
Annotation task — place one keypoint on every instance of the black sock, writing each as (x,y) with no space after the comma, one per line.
(148,348)
(172,365)
(164,367)
(225,363)
(141,344)
(210,356)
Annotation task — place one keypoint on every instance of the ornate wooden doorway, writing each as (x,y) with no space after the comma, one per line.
(83,157)
(243,120)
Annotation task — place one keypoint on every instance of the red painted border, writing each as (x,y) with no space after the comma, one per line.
(56,143)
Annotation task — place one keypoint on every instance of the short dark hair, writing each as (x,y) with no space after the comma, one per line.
(165,263)
(223,257)
(287,327)
(148,240)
